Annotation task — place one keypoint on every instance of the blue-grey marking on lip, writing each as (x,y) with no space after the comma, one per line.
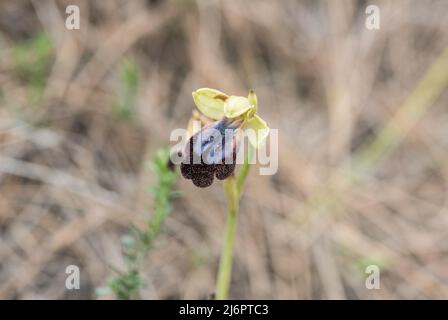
(214,148)
(208,144)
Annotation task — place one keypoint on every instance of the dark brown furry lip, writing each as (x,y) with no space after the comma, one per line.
(203,166)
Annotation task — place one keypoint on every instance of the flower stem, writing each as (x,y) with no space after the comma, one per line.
(244,170)
(233,187)
(225,266)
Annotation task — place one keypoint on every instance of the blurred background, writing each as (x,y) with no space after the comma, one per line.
(363,146)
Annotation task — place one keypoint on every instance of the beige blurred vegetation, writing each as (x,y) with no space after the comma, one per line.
(363,145)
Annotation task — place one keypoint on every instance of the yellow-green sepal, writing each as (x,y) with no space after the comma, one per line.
(257,131)
(236,106)
(210,102)
(253,100)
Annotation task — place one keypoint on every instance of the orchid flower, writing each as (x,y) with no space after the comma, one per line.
(215,105)
(211,151)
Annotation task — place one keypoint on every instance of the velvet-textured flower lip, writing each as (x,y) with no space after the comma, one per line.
(216,104)
(211,153)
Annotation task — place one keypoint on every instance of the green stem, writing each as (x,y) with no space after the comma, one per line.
(233,187)
(244,169)
(225,266)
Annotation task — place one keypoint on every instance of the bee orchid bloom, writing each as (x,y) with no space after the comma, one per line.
(211,152)
(215,105)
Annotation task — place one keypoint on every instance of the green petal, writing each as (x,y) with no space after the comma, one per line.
(253,100)
(257,131)
(210,102)
(236,106)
